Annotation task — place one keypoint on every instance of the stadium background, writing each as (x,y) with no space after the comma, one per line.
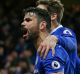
(15,55)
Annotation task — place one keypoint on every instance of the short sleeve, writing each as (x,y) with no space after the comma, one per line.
(53,65)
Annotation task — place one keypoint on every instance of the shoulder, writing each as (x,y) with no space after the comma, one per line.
(60,54)
(67,32)
(57,62)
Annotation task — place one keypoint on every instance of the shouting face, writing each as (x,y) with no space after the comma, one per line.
(30,26)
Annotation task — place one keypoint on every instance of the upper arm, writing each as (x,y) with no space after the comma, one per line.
(57,63)
(53,66)
(68,40)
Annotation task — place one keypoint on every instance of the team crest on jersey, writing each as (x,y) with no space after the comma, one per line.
(67,32)
(55,65)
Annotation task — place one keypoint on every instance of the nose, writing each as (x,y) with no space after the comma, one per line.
(22,24)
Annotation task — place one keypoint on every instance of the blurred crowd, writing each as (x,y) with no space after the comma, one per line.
(16,56)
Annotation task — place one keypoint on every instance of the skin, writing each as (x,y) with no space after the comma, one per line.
(51,40)
(29,19)
(31,25)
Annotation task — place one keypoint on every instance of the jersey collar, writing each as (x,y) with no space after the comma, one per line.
(56,28)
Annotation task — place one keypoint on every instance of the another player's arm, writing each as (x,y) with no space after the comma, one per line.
(49,42)
(67,40)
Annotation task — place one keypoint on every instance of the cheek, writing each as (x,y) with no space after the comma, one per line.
(27,26)
(35,28)
(32,26)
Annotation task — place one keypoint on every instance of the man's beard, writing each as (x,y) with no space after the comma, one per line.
(31,36)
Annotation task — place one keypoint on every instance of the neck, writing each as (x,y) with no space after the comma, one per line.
(54,25)
(41,37)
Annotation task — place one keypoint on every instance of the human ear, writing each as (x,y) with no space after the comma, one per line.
(43,25)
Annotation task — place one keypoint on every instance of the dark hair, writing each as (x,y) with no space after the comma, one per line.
(54,6)
(41,14)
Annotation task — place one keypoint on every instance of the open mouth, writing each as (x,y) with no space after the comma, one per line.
(24,32)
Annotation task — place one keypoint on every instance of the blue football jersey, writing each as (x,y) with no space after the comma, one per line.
(77,66)
(53,64)
(67,39)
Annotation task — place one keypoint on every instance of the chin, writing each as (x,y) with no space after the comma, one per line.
(25,37)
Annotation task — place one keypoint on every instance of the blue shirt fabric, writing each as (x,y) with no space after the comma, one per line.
(67,39)
(77,71)
(53,64)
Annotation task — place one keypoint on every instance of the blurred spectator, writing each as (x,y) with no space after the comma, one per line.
(20,45)
(2,56)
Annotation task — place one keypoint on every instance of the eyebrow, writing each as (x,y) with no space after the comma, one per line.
(27,19)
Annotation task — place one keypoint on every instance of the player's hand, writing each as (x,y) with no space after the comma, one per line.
(48,43)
